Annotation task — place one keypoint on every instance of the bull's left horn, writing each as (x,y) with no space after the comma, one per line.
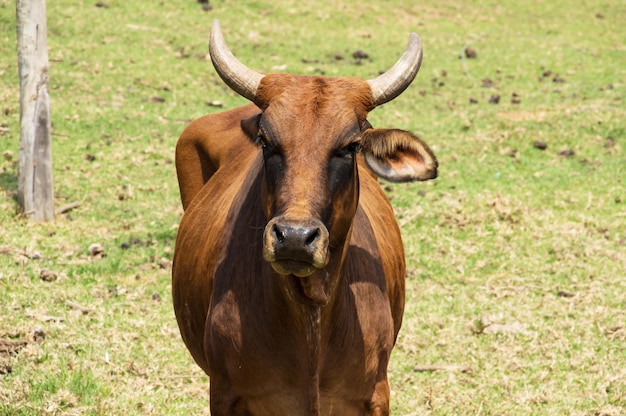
(236,75)
(389,85)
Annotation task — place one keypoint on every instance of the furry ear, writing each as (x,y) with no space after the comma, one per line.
(398,156)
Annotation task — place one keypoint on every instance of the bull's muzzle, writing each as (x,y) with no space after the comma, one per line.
(295,247)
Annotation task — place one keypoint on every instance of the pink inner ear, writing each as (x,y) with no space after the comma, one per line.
(403,165)
(398,155)
(406,156)
(411,163)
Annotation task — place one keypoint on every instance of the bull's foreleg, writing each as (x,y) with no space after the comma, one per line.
(224,402)
(379,405)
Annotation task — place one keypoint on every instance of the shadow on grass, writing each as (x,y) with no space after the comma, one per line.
(8,182)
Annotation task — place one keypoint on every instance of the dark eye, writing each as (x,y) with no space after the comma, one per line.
(260,140)
(354,147)
(349,150)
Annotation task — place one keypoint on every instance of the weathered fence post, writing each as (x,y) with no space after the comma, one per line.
(35,188)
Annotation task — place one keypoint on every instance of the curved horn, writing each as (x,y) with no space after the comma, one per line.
(389,85)
(236,75)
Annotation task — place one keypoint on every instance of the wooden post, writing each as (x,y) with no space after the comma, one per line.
(35,188)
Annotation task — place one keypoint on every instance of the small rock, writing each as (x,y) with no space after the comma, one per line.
(115,290)
(38,335)
(512,153)
(96,250)
(215,103)
(48,275)
(165,263)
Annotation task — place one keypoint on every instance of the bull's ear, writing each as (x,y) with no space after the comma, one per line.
(250,127)
(398,156)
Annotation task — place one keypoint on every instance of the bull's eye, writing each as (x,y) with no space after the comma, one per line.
(269,149)
(354,147)
(349,150)
(265,146)
(260,140)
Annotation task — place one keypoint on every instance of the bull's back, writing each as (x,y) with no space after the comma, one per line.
(207,144)
(212,159)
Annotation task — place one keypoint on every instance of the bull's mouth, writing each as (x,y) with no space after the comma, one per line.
(295,267)
(306,285)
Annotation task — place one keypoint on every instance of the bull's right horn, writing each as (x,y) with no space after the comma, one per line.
(389,85)
(236,75)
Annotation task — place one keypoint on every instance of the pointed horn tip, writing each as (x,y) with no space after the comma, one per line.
(415,41)
(216,31)
(392,83)
(235,74)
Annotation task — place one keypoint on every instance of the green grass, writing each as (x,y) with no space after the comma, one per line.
(516,289)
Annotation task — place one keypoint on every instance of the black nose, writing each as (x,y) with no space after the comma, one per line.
(295,241)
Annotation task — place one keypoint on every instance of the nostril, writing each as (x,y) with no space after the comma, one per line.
(280,235)
(312,236)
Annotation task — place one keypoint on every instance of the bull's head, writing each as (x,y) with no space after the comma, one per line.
(310,131)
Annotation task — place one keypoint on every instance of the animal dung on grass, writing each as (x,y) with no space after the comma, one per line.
(470,53)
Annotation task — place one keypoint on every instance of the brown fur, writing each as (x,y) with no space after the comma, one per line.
(268,349)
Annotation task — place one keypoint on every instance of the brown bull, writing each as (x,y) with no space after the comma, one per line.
(288,279)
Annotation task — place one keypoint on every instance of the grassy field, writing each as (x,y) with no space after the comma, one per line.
(516,300)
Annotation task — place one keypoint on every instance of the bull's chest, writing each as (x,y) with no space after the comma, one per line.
(263,350)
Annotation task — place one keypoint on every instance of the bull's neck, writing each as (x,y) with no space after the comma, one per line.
(311,317)
(313,338)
